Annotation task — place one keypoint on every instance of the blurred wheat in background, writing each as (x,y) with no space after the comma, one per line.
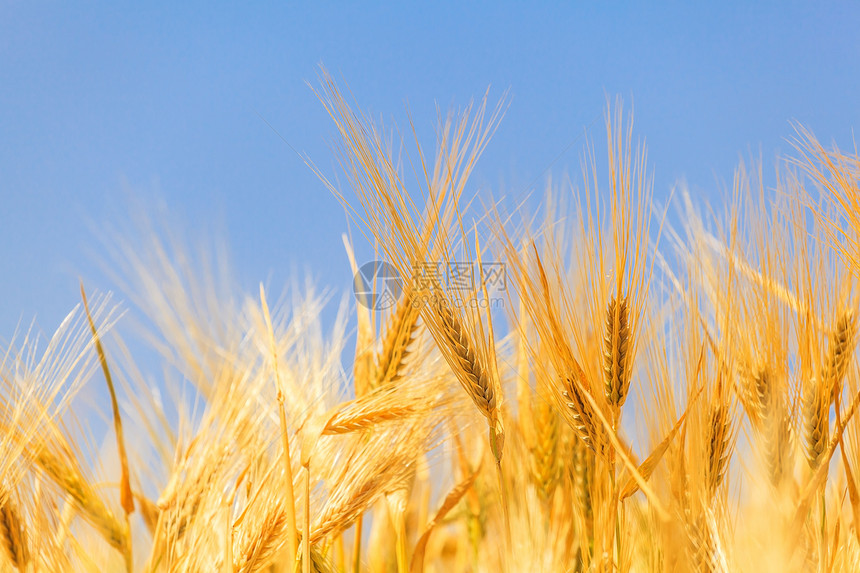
(645,396)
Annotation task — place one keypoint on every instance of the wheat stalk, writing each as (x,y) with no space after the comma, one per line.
(289,502)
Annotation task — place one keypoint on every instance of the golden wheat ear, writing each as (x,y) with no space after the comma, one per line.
(13,533)
(616,359)
(545,448)
(719,436)
(390,404)
(839,353)
(816,421)
(579,413)
(372,468)
(398,340)
(257,549)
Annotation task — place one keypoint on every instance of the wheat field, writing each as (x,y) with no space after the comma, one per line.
(650,388)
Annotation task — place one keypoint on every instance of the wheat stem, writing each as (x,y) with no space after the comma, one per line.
(356,559)
(289,496)
(126,496)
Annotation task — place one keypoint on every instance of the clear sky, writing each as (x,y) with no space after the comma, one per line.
(99,99)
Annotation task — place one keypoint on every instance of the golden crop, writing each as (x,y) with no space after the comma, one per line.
(654,396)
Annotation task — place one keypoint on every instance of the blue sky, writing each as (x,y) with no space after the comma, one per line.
(99,101)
